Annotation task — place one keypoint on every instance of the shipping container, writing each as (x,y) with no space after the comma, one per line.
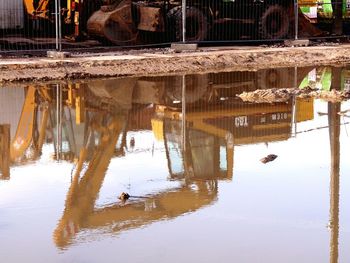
(11,14)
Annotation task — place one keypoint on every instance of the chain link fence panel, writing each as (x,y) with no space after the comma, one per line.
(29,25)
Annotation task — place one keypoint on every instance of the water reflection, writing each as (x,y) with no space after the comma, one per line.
(197,118)
(334,134)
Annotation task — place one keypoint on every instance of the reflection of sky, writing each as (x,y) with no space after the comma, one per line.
(275,212)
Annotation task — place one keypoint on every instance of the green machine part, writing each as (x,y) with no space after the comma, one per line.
(324,9)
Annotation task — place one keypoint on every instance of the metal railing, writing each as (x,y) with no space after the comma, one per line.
(76,24)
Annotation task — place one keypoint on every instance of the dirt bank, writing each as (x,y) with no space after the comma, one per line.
(165,61)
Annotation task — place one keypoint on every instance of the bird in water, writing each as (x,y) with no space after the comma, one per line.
(268,158)
(124,196)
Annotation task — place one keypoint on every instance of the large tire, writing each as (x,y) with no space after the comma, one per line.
(196,24)
(274,22)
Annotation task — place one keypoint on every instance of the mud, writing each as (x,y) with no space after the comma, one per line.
(284,95)
(166,61)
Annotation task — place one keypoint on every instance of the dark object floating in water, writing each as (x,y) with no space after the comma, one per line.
(132,142)
(268,158)
(124,196)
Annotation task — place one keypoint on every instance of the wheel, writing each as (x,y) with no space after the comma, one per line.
(196,24)
(274,22)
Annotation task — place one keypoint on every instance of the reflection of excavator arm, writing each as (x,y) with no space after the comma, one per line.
(24,133)
(80,211)
(25,130)
(84,192)
(165,205)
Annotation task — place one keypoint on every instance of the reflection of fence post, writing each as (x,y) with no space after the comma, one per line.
(183,112)
(183,21)
(58,122)
(296,19)
(5,150)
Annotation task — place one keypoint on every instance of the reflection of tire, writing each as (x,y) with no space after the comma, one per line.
(196,24)
(196,87)
(274,22)
(270,78)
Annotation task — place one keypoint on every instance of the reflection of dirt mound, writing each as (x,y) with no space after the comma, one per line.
(283,95)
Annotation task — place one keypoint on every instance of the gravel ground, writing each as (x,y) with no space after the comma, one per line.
(166,61)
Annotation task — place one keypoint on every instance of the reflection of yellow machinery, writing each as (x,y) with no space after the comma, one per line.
(39,117)
(204,146)
(80,212)
(26,135)
(207,144)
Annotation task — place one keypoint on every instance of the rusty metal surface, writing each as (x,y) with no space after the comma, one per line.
(151,19)
(116,26)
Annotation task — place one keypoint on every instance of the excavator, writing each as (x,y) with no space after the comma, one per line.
(128,22)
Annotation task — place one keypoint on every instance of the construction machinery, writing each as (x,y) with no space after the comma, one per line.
(126,22)
(130,22)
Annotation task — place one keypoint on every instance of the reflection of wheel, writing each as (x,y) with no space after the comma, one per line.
(196,87)
(274,22)
(196,24)
(270,78)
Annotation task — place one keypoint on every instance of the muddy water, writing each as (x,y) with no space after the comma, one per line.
(199,192)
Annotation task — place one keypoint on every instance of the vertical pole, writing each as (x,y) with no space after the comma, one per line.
(296,18)
(229,154)
(334,139)
(294,108)
(58,121)
(59,26)
(56,25)
(334,134)
(183,21)
(183,110)
(5,150)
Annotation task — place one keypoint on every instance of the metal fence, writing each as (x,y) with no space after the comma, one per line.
(91,24)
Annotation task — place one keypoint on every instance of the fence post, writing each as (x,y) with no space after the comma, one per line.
(183,21)
(296,20)
(5,150)
(58,27)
